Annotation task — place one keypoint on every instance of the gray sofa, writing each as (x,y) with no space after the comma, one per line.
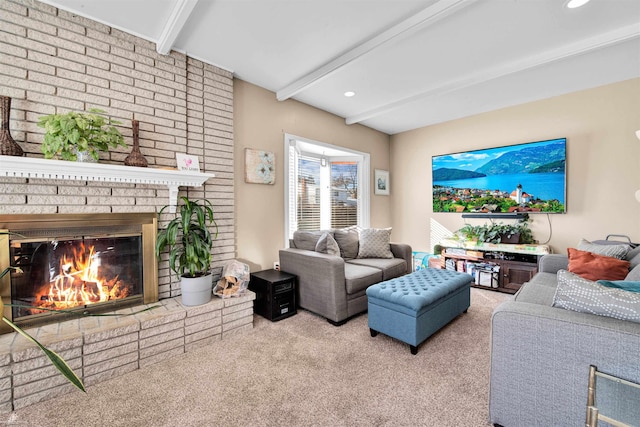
(334,285)
(540,354)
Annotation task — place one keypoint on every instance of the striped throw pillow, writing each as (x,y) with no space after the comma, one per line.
(613,250)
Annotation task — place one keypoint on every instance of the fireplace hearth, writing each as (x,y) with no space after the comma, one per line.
(76,262)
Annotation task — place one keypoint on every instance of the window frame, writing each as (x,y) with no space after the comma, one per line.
(318,149)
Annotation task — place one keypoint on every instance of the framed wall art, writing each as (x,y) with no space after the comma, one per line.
(259,166)
(381,182)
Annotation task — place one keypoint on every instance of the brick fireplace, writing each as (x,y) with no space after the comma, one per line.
(182,104)
(55,62)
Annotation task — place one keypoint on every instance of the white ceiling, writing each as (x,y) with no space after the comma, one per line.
(412,63)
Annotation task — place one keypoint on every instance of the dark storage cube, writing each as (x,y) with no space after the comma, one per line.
(275,294)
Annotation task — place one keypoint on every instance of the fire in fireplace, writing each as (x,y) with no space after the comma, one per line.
(89,263)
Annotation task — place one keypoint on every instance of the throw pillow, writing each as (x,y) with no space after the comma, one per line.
(328,245)
(347,239)
(627,285)
(578,294)
(596,267)
(374,243)
(634,257)
(613,250)
(634,274)
(306,239)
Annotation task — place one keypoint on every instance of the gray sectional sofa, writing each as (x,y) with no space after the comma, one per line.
(332,281)
(541,354)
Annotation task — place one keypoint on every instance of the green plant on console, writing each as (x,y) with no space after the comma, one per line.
(522,227)
(493,232)
(71,132)
(188,238)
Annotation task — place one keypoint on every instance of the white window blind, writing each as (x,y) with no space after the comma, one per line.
(308,194)
(291,202)
(344,193)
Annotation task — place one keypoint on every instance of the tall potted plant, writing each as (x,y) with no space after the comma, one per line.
(79,136)
(189,241)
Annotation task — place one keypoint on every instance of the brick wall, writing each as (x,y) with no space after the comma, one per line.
(52,61)
(100,348)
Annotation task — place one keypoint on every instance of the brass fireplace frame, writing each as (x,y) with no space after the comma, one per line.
(148,227)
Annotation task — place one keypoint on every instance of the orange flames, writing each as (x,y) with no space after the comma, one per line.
(79,282)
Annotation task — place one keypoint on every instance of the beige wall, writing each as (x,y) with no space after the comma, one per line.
(603,164)
(260,122)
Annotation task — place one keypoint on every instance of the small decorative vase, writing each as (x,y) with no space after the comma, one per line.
(136,158)
(8,146)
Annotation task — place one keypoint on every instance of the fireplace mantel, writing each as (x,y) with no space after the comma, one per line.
(27,167)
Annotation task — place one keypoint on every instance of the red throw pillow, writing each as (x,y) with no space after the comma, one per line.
(594,267)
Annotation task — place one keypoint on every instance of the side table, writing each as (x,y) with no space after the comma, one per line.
(275,294)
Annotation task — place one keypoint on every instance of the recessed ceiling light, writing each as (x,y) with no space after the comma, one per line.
(573,4)
(349,94)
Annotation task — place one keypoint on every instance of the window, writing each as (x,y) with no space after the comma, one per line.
(327,186)
(344,193)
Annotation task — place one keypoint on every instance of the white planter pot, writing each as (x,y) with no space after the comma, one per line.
(196,290)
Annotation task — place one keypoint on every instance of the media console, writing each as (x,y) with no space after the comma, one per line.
(501,267)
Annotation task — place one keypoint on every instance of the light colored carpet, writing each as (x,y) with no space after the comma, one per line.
(300,371)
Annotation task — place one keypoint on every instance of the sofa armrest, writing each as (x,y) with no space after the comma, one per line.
(540,358)
(551,263)
(402,250)
(321,281)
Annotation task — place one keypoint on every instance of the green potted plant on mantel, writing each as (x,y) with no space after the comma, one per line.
(79,136)
(190,241)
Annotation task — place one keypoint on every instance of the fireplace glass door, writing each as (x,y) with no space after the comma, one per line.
(74,272)
(65,264)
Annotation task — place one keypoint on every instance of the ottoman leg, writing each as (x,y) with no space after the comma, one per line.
(414,349)
(372,332)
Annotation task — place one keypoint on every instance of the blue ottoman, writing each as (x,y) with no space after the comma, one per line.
(413,307)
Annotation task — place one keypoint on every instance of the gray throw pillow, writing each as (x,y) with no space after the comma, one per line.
(327,245)
(582,295)
(374,243)
(634,274)
(306,239)
(347,239)
(634,257)
(613,250)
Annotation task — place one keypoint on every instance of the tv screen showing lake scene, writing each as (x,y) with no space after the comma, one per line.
(516,178)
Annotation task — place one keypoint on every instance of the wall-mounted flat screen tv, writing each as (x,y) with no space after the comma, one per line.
(528,177)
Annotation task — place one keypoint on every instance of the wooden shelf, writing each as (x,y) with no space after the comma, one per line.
(27,167)
(512,273)
(465,257)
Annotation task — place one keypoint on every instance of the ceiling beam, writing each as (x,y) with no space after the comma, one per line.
(427,16)
(600,41)
(179,15)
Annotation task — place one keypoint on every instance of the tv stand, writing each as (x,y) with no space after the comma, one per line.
(500,267)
